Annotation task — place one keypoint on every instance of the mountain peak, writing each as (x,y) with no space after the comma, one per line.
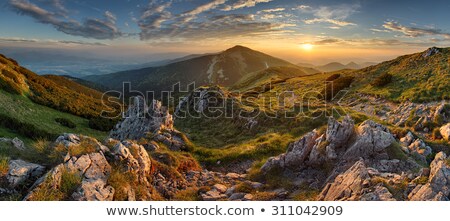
(238,48)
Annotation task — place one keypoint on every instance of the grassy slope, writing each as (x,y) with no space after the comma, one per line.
(43,117)
(415,78)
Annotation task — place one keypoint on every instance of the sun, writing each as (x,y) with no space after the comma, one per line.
(307,47)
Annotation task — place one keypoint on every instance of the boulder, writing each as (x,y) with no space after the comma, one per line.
(380,193)
(295,155)
(18,144)
(347,186)
(445,131)
(438,185)
(93,170)
(338,133)
(220,187)
(21,171)
(372,138)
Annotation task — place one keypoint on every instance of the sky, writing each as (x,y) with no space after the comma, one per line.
(308,31)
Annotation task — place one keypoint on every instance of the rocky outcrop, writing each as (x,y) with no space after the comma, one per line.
(371,139)
(154,122)
(135,159)
(445,131)
(416,147)
(200,100)
(141,119)
(438,185)
(348,186)
(430,52)
(341,143)
(419,116)
(93,171)
(21,171)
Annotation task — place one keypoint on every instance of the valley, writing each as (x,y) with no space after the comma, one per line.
(255,128)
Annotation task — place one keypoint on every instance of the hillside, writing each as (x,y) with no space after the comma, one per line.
(35,107)
(55,92)
(418,77)
(224,68)
(337,66)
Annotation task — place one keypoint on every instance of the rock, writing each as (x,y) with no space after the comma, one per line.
(338,133)
(93,170)
(445,131)
(68,140)
(380,193)
(18,144)
(152,146)
(347,186)
(295,155)
(371,138)
(419,149)
(220,187)
(137,163)
(20,171)
(95,190)
(430,52)
(141,119)
(407,140)
(213,195)
(438,185)
(248,197)
(237,196)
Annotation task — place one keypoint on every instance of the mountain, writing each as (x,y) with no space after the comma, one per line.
(224,68)
(336,66)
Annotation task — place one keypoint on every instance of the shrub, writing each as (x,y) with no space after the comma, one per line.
(189,194)
(332,88)
(102,124)
(25,129)
(4,165)
(333,77)
(244,187)
(382,80)
(66,122)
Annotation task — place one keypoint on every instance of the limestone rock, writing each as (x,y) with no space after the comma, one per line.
(20,171)
(445,131)
(372,138)
(380,193)
(438,186)
(141,119)
(347,186)
(18,144)
(295,155)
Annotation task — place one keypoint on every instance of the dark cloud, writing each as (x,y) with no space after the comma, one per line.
(22,40)
(90,28)
(414,31)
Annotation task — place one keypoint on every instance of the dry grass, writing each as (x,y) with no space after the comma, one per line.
(189,194)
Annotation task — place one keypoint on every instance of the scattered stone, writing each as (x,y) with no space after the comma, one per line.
(20,171)
(221,188)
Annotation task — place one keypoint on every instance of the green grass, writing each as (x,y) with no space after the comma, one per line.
(24,110)
(395,152)
(265,146)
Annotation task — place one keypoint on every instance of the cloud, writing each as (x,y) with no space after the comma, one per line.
(19,40)
(243,4)
(414,31)
(65,42)
(192,14)
(333,15)
(271,10)
(158,24)
(90,28)
(328,20)
(367,42)
(219,26)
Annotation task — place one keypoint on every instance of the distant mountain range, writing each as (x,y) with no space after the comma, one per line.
(336,66)
(224,68)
